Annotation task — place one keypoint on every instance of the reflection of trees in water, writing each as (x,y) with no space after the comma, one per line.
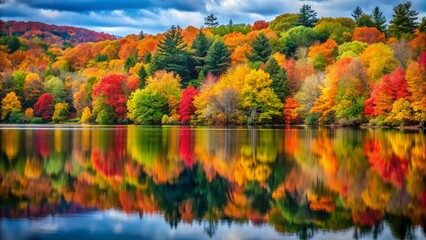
(299,181)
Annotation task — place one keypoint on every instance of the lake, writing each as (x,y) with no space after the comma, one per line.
(137,182)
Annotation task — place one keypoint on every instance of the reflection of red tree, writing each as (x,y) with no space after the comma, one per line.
(111,162)
(186,146)
(368,217)
(391,168)
(42,141)
(422,199)
(127,200)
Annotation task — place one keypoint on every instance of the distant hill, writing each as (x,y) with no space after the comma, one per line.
(52,33)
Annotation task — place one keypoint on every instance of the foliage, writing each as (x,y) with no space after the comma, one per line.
(211,21)
(146,107)
(186,106)
(403,21)
(284,22)
(379,19)
(258,98)
(368,35)
(55,87)
(278,76)
(61,112)
(307,16)
(36,120)
(298,37)
(44,107)
(168,86)
(110,97)
(260,24)
(378,58)
(217,59)
(261,50)
(29,113)
(130,62)
(357,13)
(351,49)
(86,115)
(173,54)
(10,104)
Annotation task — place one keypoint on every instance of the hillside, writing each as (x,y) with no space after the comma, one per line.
(295,69)
(51,34)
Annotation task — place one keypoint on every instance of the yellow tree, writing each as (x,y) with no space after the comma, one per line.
(379,60)
(258,98)
(33,88)
(9,104)
(167,84)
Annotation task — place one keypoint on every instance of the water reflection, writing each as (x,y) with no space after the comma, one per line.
(299,181)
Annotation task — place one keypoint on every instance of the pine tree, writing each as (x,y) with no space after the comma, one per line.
(404,20)
(357,13)
(217,59)
(173,55)
(142,77)
(130,62)
(261,49)
(379,20)
(211,21)
(364,21)
(307,16)
(422,25)
(278,77)
(201,46)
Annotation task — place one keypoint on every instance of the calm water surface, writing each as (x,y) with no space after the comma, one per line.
(134,182)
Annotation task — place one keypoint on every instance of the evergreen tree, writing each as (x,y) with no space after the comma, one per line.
(230,24)
(404,20)
(173,55)
(422,25)
(364,21)
(379,20)
(357,13)
(141,35)
(211,21)
(261,49)
(278,77)
(130,62)
(201,46)
(217,59)
(307,16)
(142,77)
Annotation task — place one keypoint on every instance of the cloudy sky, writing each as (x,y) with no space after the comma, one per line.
(122,17)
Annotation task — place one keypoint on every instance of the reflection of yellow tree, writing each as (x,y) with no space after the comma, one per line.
(257,153)
(378,193)
(33,168)
(10,142)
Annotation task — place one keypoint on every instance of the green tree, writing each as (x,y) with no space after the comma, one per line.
(422,25)
(404,20)
(55,87)
(217,60)
(379,20)
(278,76)
(307,16)
(61,112)
(142,77)
(364,21)
(173,54)
(284,22)
(146,107)
(261,49)
(211,21)
(131,61)
(357,13)
(298,37)
(200,46)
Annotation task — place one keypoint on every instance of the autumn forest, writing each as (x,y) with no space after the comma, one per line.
(361,69)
